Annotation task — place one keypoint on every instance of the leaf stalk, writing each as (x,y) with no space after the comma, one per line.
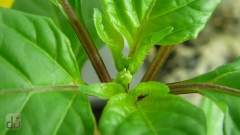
(181,88)
(157,63)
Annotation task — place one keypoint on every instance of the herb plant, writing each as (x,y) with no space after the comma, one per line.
(41,60)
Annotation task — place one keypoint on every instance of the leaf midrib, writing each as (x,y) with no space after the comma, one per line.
(147,121)
(42,89)
(142,26)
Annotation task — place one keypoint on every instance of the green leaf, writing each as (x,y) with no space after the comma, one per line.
(222,86)
(148,42)
(103,90)
(187,17)
(40,78)
(149,88)
(138,18)
(153,115)
(143,23)
(214,117)
(225,75)
(46,8)
(39,49)
(110,36)
(124,16)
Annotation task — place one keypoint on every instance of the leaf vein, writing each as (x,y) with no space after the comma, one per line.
(21,73)
(221,76)
(23,105)
(141,29)
(171,10)
(64,115)
(147,121)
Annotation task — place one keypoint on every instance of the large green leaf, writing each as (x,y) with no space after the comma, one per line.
(222,86)
(46,8)
(40,78)
(153,115)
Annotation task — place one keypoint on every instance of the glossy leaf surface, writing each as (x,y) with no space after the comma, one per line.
(40,78)
(222,86)
(153,115)
(138,18)
(46,8)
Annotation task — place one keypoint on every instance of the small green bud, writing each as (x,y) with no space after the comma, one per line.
(124,77)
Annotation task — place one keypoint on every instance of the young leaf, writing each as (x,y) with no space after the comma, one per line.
(47,8)
(40,78)
(141,21)
(148,42)
(153,115)
(222,86)
(110,36)
(138,18)
(187,17)
(103,90)
(149,88)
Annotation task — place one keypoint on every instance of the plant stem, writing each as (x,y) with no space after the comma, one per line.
(181,88)
(157,63)
(86,41)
